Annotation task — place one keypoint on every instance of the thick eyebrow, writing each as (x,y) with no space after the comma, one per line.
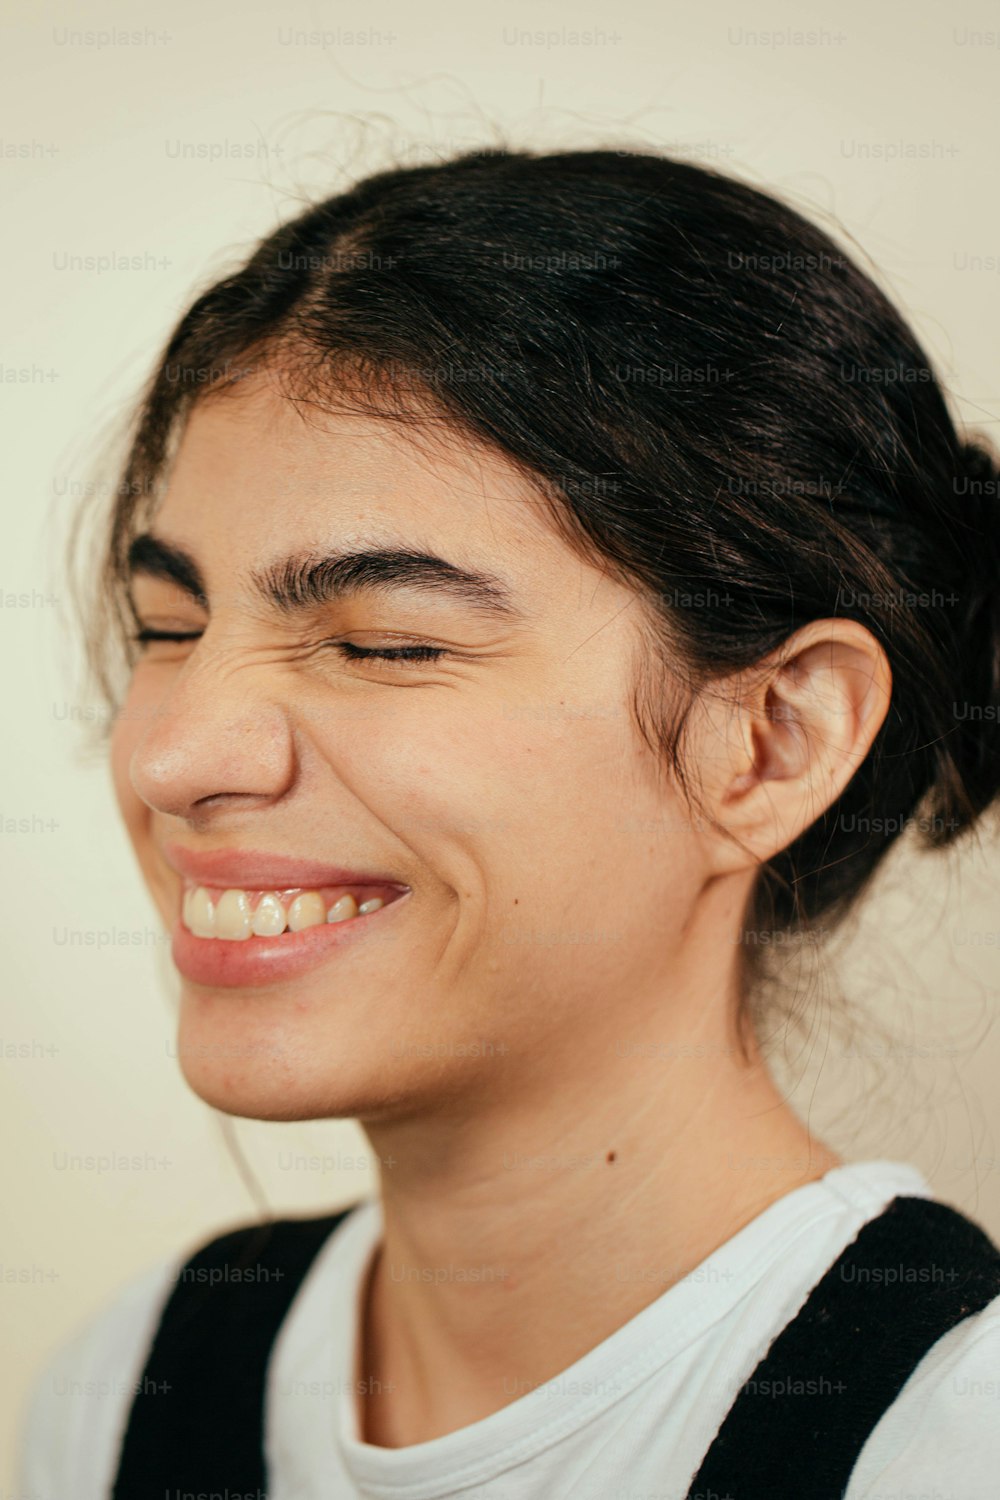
(300,582)
(155,557)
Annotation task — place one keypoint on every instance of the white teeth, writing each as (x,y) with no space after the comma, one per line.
(201,914)
(232,916)
(307,910)
(342,910)
(269,919)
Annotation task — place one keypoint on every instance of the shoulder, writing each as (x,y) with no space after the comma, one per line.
(942,1433)
(79,1402)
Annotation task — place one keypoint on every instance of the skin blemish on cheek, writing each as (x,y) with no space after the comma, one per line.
(611,1156)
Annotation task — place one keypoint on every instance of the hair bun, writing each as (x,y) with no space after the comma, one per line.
(975,746)
(977,488)
(980,471)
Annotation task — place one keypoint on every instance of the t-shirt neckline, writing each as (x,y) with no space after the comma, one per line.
(606,1373)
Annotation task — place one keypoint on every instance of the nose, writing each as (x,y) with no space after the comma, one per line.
(216,737)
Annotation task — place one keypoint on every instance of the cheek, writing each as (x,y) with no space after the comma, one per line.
(542,806)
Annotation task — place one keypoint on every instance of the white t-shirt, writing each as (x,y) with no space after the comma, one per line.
(634,1417)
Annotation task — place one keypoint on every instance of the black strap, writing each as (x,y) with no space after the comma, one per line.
(799,1423)
(197,1418)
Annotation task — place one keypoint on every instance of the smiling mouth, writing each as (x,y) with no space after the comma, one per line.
(234,915)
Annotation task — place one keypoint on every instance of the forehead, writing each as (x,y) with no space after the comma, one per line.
(254,472)
(262,490)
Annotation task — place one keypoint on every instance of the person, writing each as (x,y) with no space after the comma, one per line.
(543,584)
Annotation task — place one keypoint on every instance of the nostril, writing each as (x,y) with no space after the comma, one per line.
(204,744)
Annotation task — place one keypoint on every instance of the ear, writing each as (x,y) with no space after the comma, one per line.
(779,744)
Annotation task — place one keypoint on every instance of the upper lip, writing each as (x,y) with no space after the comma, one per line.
(256,869)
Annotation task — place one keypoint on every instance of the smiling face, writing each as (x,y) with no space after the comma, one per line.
(547,866)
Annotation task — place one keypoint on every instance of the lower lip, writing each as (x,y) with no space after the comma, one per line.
(259,961)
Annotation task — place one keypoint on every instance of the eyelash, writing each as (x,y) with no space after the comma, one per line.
(398,653)
(142,637)
(407,654)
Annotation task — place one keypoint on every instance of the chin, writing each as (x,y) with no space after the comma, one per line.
(244,1062)
(273,1067)
(250,1098)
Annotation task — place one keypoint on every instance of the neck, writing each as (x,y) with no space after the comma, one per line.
(521,1232)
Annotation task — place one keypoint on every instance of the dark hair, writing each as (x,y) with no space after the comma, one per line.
(714,402)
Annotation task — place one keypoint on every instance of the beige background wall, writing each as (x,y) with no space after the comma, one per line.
(188,137)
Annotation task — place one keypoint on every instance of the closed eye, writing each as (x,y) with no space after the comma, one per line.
(143,637)
(396,653)
(414,654)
